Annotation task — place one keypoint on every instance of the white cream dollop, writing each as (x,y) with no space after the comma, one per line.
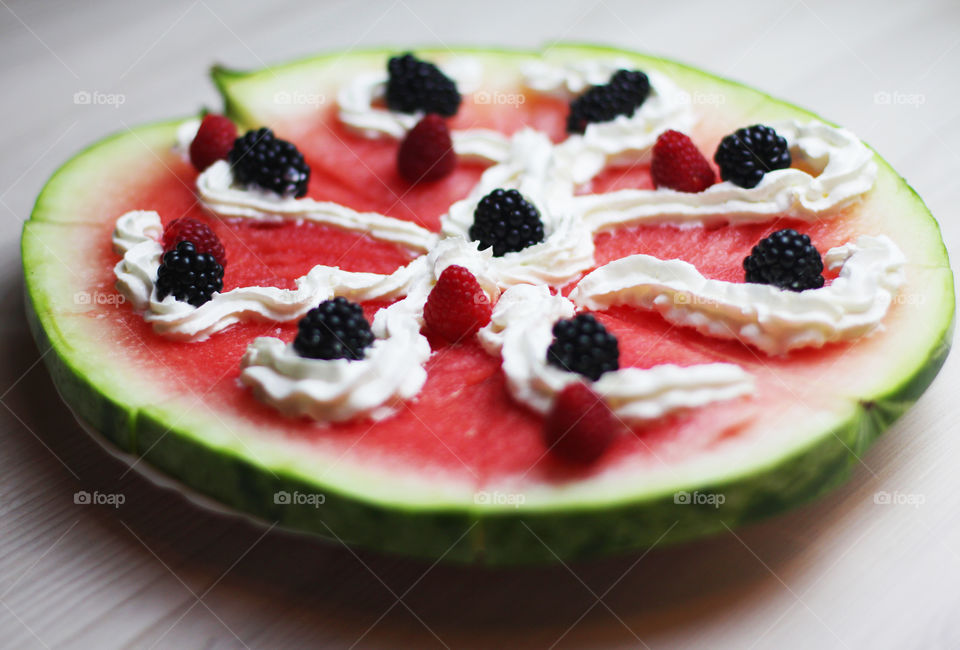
(844,170)
(357,102)
(392,368)
(771,319)
(531,168)
(626,138)
(520,331)
(335,390)
(136,238)
(219,193)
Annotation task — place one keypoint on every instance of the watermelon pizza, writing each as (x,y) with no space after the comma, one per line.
(490,306)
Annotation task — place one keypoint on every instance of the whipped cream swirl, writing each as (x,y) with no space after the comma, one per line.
(136,238)
(335,390)
(843,170)
(771,319)
(391,370)
(520,332)
(220,194)
(533,170)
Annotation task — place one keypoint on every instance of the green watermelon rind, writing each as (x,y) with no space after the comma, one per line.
(462,532)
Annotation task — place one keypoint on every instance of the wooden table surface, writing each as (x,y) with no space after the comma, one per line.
(159,572)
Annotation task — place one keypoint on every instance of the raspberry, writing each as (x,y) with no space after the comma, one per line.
(259,158)
(747,154)
(785,259)
(622,95)
(457,307)
(507,222)
(580,426)
(335,329)
(426,153)
(198,233)
(583,345)
(213,141)
(188,275)
(679,165)
(416,85)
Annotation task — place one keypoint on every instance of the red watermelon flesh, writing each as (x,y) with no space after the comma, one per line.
(464,421)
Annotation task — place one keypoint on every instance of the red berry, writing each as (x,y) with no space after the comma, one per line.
(457,307)
(580,426)
(679,165)
(426,153)
(213,141)
(203,238)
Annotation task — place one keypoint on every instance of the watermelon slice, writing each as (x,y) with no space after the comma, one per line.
(460,472)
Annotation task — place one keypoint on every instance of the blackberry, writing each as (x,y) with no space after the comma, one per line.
(335,329)
(622,95)
(582,345)
(259,158)
(747,154)
(416,85)
(785,259)
(508,222)
(188,275)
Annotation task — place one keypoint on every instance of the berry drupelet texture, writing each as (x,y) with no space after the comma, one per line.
(261,159)
(622,95)
(747,154)
(213,141)
(199,234)
(416,85)
(457,306)
(189,276)
(785,259)
(426,153)
(335,329)
(582,345)
(507,222)
(580,426)
(679,165)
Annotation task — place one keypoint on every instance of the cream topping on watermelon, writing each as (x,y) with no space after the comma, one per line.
(774,320)
(219,193)
(392,369)
(547,175)
(623,139)
(137,272)
(358,99)
(530,167)
(340,389)
(844,168)
(520,332)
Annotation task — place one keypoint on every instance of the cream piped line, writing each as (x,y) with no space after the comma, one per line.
(520,332)
(359,108)
(219,193)
(391,370)
(135,239)
(771,319)
(843,168)
(531,168)
(626,138)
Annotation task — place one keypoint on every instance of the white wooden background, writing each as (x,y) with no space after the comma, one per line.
(157,572)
